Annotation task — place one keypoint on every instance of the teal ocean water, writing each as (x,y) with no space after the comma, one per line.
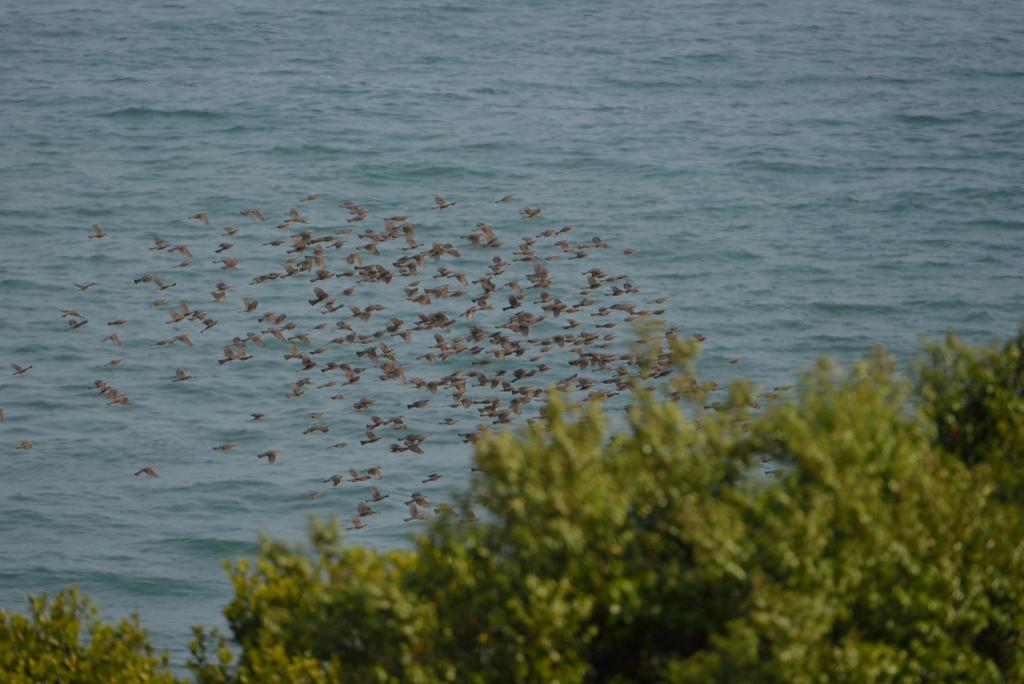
(797,178)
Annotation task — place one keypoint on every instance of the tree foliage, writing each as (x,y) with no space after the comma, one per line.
(888,548)
(63,640)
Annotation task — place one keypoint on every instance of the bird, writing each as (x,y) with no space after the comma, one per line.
(271,456)
(357,524)
(24,445)
(442,203)
(376,496)
(432,477)
(2,418)
(202,217)
(419,500)
(226,446)
(82,287)
(506,198)
(363,509)
(254,213)
(335,479)
(182,375)
(97,232)
(21,370)
(257,417)
(356,477)
(445,509)
(148,470)
(414,514)
(531,212)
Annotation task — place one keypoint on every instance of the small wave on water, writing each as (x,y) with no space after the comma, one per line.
(149,112)
(854,308)
(212,547)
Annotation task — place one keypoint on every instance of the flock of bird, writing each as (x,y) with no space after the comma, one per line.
(485,346)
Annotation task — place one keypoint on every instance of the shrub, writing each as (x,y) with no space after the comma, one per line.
(63,640)
(887,549)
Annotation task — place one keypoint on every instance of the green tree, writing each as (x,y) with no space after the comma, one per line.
(63,640)
(888,547)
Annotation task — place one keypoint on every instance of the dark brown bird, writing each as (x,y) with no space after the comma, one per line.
(357,524)
(376,496)
(97,232)
(320,296)
(364,509)
(442,203)
(201,216)
(419,500)
(414,514)
(82,287)
(356,477)
(148,470)
(271,456)
(226,446)
(254,213)
(21,370)
(432,477)
(335,479)
(182,375)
